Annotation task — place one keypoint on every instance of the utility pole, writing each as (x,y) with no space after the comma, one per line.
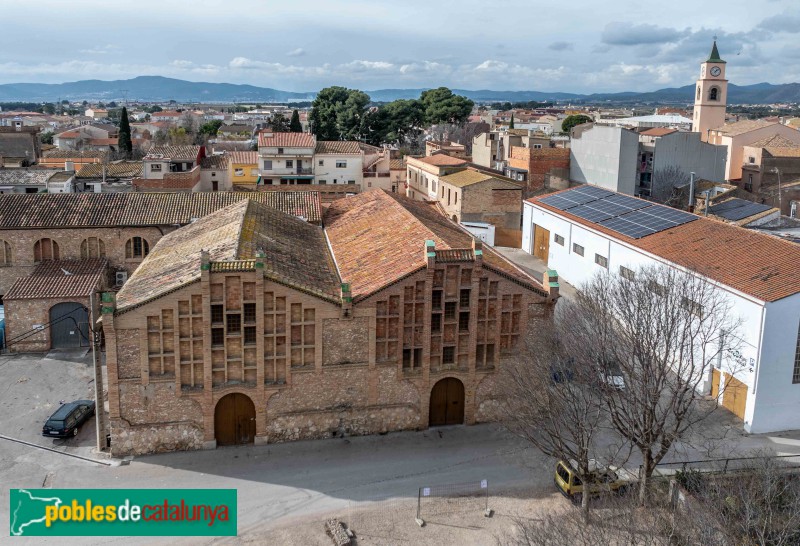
(99,399)
(780,199)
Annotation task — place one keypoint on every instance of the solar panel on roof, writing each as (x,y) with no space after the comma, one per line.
(627,202)
(629,216)
(741,213)
(588,213)
(594,191)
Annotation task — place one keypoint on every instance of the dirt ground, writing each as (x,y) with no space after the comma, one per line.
(458,521)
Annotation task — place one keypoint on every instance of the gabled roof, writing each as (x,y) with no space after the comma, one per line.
(119,169)
(18,145)
(775,141)
(59,279)
(756,264)
(743,126)
(468,177)
(295,253)
(26,177)
(442,160)
(378,238)
(658,131)
(72,154)
(214,162)
(180,153)
(243,158)
(63,210)
(286,140)
(338,147)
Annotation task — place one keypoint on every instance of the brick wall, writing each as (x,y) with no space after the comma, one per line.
(23,315)
(357,381)
(69,241)
(540,163)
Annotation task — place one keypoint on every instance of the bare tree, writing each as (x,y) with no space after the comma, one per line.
(661,330)
(670,186)
(547,398)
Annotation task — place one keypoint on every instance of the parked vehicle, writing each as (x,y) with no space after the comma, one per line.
(67,419)
(604,479)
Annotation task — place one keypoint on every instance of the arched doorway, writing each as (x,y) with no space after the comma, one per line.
(447,403)
(69,326)
(234,420)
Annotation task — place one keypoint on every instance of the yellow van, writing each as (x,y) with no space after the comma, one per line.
(610,479)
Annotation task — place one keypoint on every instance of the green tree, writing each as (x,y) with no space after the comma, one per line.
(442,106)
(511,123)
(177,136)
(210,128)
(405,119)
(572,121)
(46,137)
(125,141)
(294,125)
(338,113)
(49,108)
(280,124)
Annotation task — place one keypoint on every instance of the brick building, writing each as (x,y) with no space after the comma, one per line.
(251,325)
(118,228)
(545,166)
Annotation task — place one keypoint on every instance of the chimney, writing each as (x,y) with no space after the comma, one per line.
(347,300)
(205,260)
(69,165)
(550,282)
(477,249)
(430,253)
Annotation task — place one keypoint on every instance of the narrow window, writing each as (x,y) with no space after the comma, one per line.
(136,247)
(626,273)
(463,299)
(217,316)
(558,239)
(234,323)
(449,355)
(249,313)
(249,335)
(463,321)
(602,261)
(406,358)
(436,323)
(217,337)
(437,299)
(450,310)
(577,249)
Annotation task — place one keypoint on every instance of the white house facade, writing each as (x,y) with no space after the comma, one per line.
(758,274)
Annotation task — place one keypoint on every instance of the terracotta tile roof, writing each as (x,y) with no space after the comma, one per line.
(62,210)
(756,264)
(743,126)
(338,147)
(50,279)
(397,165)
(180,153)
(658,131)
(166,113)
(468,177)
(26,177)
(378,238)
(103,141)
(776,141)
(72,154)
(287,140)
(441,160)
(120,169)
(214,162)
(295,253)
(68,134)
(784,152)
(243,158)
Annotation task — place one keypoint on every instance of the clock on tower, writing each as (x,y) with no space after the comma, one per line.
(711,95)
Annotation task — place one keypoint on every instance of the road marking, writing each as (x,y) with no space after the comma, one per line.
(89,459)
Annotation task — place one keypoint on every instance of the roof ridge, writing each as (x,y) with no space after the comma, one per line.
(406,212)
(245,209)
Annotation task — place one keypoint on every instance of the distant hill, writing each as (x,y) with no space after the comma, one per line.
(158,88)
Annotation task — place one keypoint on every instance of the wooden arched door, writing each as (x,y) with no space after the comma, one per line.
(447,403)
(234,420)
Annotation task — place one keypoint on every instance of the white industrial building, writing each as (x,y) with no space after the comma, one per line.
(585,230)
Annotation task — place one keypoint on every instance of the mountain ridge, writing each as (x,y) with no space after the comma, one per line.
(160,88)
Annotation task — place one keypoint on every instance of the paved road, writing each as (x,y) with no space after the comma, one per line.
(283,482)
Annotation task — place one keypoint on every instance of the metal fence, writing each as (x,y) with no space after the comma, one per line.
(438,502)
(721,466)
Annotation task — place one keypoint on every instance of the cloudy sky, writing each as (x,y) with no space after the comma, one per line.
(303,45)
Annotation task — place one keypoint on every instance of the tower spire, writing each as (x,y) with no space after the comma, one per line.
(714,57)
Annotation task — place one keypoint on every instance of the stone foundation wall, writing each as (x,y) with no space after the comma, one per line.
(154,438)
(352,421)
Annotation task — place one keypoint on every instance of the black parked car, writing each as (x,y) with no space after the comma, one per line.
(68,418)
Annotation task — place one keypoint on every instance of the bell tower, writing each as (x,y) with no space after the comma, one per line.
(711,95)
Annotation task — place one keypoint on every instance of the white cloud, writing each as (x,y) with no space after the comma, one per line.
(299,52)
